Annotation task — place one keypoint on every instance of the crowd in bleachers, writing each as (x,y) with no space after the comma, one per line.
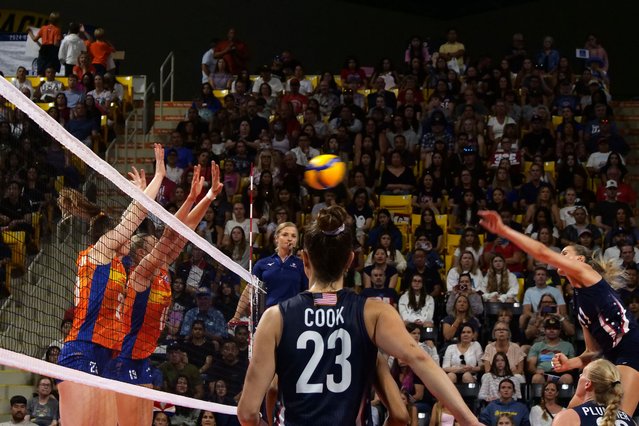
(429,141)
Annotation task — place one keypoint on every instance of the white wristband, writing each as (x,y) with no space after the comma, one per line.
(210,195)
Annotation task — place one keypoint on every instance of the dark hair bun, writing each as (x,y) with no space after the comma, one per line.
(330,219)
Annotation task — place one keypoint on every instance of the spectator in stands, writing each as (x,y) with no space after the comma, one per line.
(43,407)
(184,155)
(544,413)
(48,38)
(238,248)
(492,413)
(426,263)
(538,141)
(82,127)
(548,58)
(182,301)
(274,84)
(15,212)
(607,210)
(415,305)
(361,214)
(385,223)
(220,78)
(215,325)
(541,353)
(218,393)
(380,260)
(208,61)
(625,192)
(499,284)
(466,265)
(18,412)
(394,257)
(546,308)
(503,343)
(177,366)
(461,314)
(227,300)
(233,51)
(22,83)
(83,67)
(198,348)
(229,368)
(464,287)
(633,305)
(70,48)
(499,370)
(74,93)
(572,232)
(428,226)
(462,361)
(239,219)
(427,196)
(304,151)
(49,87)
(376,284)
(460,200)
(621,237)
(184,415)
(545,236)
(545,199)
(100,51)
(196,272)
(469,241)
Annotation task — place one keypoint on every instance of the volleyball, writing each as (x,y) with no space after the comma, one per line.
(324,171)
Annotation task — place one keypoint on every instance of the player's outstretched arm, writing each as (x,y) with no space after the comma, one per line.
(169,245)
(388,332)
(388,393)
(570,266)
(261,369)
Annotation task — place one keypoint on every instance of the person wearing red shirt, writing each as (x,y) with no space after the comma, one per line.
(233,51)
(49,38)
(296,99)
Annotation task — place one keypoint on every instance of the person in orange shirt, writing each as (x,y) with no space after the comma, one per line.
(49,38)
(148,297)
(100,50)
(99,291)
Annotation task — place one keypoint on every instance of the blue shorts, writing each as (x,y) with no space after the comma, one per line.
(626,352)
(83,356)
(127,370)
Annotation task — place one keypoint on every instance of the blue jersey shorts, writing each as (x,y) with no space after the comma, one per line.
(83,356)
(134,371)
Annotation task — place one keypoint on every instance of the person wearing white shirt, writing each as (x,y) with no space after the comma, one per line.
(208,62)
(304,151)
(306,86)
(21,82)
(462,361)
(70,48)
(499,284)
(18,412)
(266,77)
(415,305)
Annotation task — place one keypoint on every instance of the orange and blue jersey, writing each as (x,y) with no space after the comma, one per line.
(99,293)
(144,317)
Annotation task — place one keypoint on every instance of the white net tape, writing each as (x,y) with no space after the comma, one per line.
(44,368)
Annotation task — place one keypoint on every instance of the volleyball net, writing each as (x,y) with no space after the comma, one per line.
(57,187)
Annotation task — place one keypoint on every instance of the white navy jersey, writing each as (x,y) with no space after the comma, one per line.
(325,360)
(599,309)
(590,414)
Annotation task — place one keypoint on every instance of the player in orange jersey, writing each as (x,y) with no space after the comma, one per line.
(148,298)
(99,292)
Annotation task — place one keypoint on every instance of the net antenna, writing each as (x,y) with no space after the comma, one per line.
(257,287)
(53,128)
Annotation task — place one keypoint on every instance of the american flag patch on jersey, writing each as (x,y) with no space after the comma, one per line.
(325,299)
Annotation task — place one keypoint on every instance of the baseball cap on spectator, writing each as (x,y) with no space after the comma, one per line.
(611,184)
(173,346)
(438,119)
(585,231)
(203,291)
(552,322)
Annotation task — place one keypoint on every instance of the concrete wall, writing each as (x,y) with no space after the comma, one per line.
(323,33)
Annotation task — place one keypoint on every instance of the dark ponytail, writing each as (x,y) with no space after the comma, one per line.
(329,243)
